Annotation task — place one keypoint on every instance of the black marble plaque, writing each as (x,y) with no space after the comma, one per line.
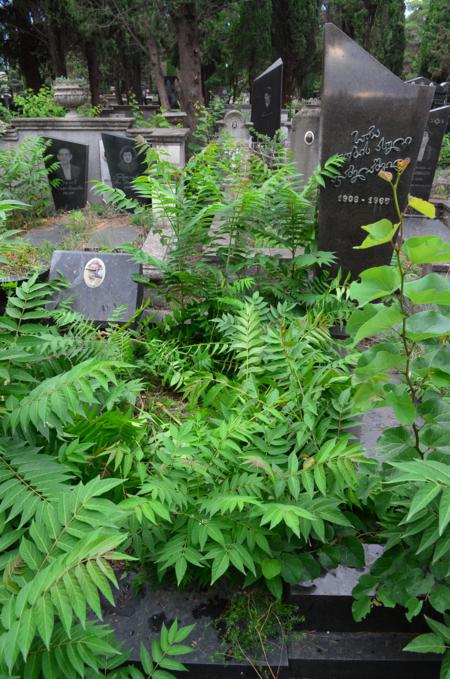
(267,99)
(170,83)
(124,163)
(72,173)
(374,119)
(100,282)
(429,151)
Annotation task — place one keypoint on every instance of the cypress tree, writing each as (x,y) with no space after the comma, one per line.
(295,38)
(379,27)
(252,38)
(435,49)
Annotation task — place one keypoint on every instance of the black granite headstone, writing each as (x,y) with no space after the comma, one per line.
(100,283)
(72,173)
(124,163)
(374,119)
(171,90)
(429,151)
(267,99)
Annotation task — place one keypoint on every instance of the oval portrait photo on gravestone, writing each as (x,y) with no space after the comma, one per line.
(68,180)
(94,272)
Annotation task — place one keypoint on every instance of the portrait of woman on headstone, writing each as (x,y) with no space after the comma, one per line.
(127,161)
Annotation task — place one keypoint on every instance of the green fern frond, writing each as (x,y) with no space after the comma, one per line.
(28,480)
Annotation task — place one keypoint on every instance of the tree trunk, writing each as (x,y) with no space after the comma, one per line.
(157,72)
(56,51)
(185,21)
(28,65)
(90,51)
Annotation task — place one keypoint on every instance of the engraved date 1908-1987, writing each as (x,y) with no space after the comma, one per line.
(371,200)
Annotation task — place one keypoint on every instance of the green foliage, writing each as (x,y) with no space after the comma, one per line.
(434,52)
(38,104)
(252,44)
(296,39)
(408,371)
(256,625)
(218,217)
(23,177)
(379,27)
(444,158)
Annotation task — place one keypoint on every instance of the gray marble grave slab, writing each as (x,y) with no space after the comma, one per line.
(99,283)
(267,99)
(374,119)
(429,151)
(71,173)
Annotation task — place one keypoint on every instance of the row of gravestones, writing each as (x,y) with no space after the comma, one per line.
(68,181)
(368,114)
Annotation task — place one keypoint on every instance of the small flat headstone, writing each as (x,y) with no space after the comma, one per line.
(374,119)
(100,282)
(267,99)
(124,163)
(429,151)
(71,173)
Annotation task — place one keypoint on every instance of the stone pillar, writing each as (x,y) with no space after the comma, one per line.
(233,124)
(305,141)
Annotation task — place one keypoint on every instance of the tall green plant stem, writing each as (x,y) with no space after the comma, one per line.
(405,315)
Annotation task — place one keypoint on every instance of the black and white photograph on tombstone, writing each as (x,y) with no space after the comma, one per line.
(125,163)
(267,100)
(70,190)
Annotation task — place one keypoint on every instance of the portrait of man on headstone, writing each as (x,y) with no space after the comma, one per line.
(266,100)
(69,191)
(66,170)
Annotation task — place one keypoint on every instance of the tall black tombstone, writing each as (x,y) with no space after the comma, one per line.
(374,119)
(70,191)
(124,163)
(429,151)
(267,92)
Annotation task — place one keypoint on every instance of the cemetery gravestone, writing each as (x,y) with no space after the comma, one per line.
(170,83)
(100,282)
(305,140)
(267,99)
(374,119)
(70,189)
(429,151)
(124,163)
(234,125)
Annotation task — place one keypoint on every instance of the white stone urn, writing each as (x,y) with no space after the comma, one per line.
(70,94)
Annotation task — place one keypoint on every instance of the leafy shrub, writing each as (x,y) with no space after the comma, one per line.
(215,216)
(444,158)
(413,507)
(38,104)
(24,177)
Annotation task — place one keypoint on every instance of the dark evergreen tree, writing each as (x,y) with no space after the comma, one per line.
(435,49)
(295,38)
(379,27)
(252,47)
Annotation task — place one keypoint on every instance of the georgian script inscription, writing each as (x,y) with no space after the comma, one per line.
(366,144)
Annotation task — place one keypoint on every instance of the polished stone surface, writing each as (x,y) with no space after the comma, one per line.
(124,163)
(429,151)
(374,119)
(267,99)
(99,283)
(72,173)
